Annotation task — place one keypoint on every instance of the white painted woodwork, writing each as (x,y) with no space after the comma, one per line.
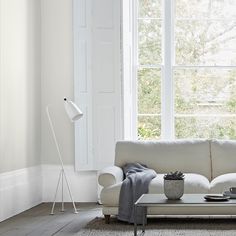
(167,119)
(129,73)
(83,184)
(20,190)
(82,82)
(25,188)
(97,76)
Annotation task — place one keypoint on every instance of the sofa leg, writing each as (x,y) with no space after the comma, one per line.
(107,219)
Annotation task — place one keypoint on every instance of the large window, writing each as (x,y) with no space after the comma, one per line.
(186,68)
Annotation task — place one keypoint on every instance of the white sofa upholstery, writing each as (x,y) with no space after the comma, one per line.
(209,167)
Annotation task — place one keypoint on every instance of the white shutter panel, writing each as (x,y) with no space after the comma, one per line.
(83,83)
(97,81)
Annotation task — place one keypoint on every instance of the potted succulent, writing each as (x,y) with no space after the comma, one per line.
(174,185)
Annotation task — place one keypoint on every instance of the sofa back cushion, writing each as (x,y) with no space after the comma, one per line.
(189,156)
(223,154)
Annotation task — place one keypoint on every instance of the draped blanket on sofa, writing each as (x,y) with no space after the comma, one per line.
(136,183)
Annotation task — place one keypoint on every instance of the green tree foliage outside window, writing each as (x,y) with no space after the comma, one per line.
(205,97)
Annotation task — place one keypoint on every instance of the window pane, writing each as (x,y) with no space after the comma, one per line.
(150,8)
(209,127)
(149,91)
(149,127)
(205,91)
(149,42)
(223,8)
(193,8)
(205,42)
(205,98)
(206,9)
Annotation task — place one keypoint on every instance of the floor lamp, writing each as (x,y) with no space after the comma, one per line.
(74,114)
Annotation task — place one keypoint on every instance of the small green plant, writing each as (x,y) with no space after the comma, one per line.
(177,175)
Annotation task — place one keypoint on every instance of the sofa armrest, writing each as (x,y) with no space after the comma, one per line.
(110,175)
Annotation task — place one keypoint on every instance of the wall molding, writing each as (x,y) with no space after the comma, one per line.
(20,190)
(83,184)
(25,188)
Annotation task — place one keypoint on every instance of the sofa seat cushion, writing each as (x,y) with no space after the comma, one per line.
(193,183)
(223,183)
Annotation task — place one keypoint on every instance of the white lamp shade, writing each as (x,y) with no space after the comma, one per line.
(72,110)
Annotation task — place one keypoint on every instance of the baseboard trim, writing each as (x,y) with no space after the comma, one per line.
(83,184)
(25,188)
(20,190)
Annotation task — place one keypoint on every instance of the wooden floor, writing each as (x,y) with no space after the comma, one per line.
(38,222)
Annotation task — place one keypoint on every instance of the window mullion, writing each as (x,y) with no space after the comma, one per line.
(167,81)
(134,69)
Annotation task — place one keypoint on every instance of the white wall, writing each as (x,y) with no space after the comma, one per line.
(57,82)
(57,77)
(25,85)
(20,100)
(20,94)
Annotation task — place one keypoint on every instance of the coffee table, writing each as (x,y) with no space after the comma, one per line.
(160,200)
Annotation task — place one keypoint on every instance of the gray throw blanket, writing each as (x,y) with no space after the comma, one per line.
(136,183)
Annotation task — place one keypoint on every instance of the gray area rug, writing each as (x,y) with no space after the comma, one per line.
(163,227)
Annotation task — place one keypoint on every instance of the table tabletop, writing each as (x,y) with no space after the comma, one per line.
(186,200)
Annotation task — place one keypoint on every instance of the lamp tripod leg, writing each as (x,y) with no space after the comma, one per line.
(62,190)
(62,173)
(53,205)
(76,211)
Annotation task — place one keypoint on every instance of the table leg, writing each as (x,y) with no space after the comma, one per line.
(144,219)
(135,220)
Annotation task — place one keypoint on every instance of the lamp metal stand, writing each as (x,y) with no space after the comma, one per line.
(62,174)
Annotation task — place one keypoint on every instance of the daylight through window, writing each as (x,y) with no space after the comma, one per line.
(186,68)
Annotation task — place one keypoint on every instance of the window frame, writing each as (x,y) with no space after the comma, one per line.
(168,66)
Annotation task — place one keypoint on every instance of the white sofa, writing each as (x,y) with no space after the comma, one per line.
(209,167)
